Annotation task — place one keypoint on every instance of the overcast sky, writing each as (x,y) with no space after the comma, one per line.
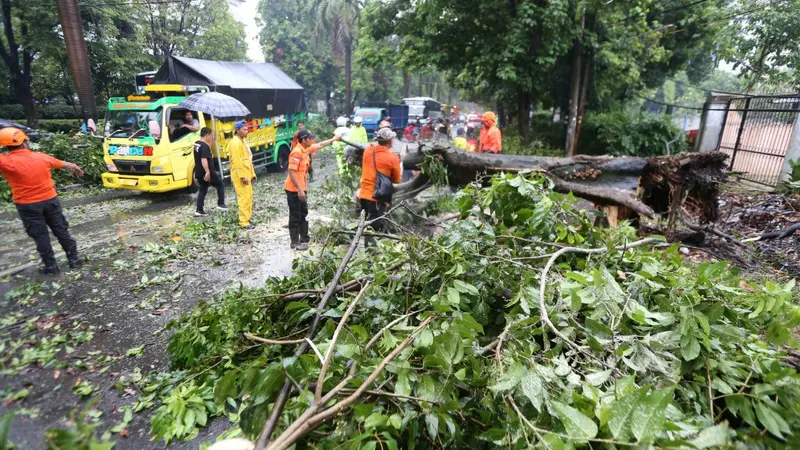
(247,15)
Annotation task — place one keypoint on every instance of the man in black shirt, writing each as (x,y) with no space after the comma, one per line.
(205,175)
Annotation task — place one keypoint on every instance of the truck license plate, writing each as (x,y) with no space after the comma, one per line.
(128,182)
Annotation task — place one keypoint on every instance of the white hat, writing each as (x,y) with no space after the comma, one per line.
(358,119)
(341,121)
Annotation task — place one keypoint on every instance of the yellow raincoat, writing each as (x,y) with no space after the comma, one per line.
(241,164)
(358,134)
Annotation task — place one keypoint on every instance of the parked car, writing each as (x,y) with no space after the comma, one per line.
(34,134)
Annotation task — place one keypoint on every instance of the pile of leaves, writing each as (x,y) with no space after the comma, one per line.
(518,325)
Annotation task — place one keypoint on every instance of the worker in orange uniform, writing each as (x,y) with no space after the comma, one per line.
(243,175)
(34,194)
(296,186)
(491,140)
(377,158)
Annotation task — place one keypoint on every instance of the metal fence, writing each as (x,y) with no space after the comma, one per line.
(756,134)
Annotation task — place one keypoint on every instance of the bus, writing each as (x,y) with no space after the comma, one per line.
(421,108)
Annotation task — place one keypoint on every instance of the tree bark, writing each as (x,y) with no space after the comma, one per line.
(19,73)
(587,71)
(348,76)
(646,186)
(77,54)
(406,84)
(574,90)
(523,114)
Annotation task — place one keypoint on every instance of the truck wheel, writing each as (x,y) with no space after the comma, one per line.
(192,188)
(283,158)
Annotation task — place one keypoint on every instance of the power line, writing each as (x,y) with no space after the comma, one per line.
(651,9)
(695,108)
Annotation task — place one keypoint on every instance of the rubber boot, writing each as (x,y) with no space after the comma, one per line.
(304,233)
(75,261)
(49,266)
(294,236)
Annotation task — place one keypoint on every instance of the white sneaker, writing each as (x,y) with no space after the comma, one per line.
(222,208)
(200,214)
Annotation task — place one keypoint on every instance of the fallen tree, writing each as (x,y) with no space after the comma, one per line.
(520,326)
(647,186)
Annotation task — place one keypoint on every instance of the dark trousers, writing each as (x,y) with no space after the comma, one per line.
(37,218)
(203,189)
(298,210)
(374,211)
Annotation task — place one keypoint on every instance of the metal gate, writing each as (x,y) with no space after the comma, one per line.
(756,134)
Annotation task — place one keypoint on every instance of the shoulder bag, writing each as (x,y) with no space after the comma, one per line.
(383,184)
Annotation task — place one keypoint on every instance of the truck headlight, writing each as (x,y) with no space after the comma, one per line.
(111,167)
(157,169)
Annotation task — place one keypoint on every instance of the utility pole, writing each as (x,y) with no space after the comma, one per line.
(77,55)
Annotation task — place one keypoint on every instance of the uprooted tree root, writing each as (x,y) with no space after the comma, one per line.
(668,184)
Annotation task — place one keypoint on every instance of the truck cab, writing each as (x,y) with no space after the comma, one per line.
(146,148)
(372,117)
(141,151)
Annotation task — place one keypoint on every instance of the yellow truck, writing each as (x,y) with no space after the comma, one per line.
(145,148)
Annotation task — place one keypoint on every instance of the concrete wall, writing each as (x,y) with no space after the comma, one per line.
(714,112)
(793,152)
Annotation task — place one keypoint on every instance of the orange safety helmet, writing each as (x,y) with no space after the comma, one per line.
(12,137)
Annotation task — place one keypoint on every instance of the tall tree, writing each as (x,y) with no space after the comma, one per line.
(26,30)
(523,52)
(765,42)
(194,28)
(285,40)
(338,20)
(77,55)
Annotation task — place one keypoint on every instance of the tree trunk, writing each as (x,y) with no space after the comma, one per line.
(646,186)
(406,84)
(19,75)
(419,86)
(574,90)
(69,16)
(348,74)
(523,114)
(587,71)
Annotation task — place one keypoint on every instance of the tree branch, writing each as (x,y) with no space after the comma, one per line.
(280,402)
(301,426)
(329,353)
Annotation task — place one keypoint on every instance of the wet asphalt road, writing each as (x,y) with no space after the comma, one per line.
(112,228)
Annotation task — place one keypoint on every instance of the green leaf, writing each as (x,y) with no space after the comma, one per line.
(575,422)
(465,288)
(425,338)
(598,378)
(690,348)
(621,413)
(225,387)
(375,420)
(716,436)
(771,420)
(648,416)
(533,388)
(552,442)
(509,379)
(432,424)
(453,297)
